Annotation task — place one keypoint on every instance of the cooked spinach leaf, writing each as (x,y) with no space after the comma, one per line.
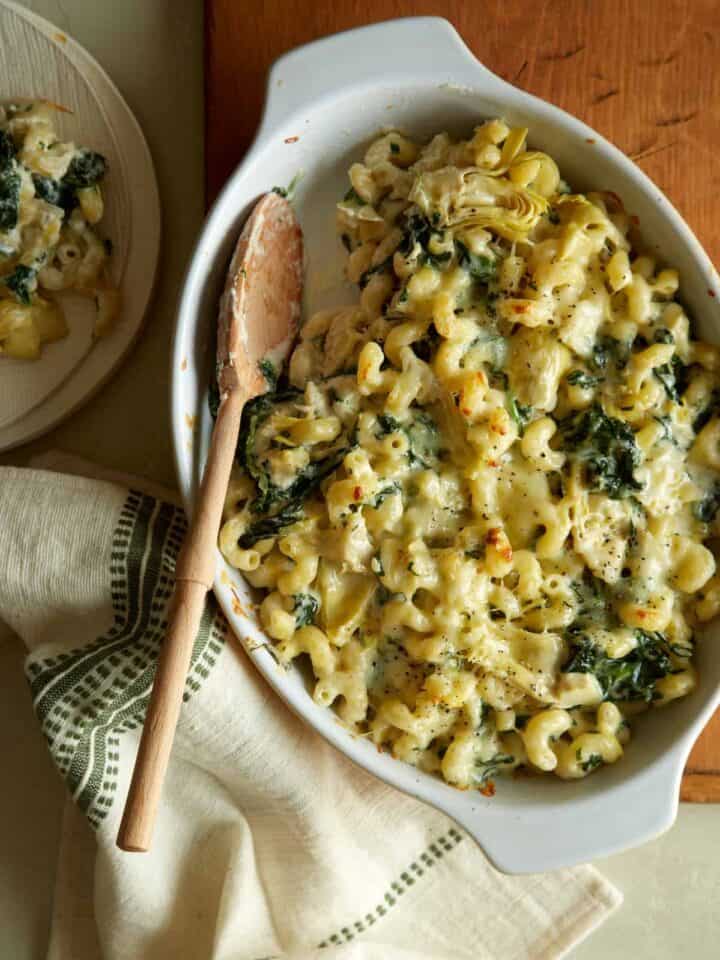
(7,149)
(608,350)
(579,378)
(382,495)
(270,495)
(487,769)
(267,369)
(422,433)
(386,264)
(420,231)
(666,424)
(57,192)
(86,169)
(426,348)
(592,763)
(632,677)
(607,448)
(594,602)
(479,266)
(9,197)
(305,609)
(21,283)
(521,414)
(705,510)
(423,437)
(674,377)
(708,412)
(270,526)
(388,424)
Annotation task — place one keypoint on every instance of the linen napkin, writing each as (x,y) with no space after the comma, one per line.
(269,844)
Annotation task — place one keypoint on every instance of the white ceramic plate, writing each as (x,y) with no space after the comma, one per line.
(325,102)
(39,60)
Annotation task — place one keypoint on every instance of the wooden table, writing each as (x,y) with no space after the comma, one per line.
(643,73)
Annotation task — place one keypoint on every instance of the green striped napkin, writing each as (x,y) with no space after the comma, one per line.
(269,843)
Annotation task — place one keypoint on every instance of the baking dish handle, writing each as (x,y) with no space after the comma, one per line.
(629,814)
(388,51)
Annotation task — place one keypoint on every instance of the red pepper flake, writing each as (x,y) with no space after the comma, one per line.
(711,293)
(635,219)
(291,139)
(590,140)
(466,411)
(357,493)
(488,790)
(496,538)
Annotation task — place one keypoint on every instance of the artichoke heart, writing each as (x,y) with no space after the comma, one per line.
(472,197)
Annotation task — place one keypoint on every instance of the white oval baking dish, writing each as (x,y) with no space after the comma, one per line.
(325,101)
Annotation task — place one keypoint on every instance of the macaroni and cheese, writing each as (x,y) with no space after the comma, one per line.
(50,202)
(478,499)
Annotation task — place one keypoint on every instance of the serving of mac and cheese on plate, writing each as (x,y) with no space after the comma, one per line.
(50,205)
(479,498)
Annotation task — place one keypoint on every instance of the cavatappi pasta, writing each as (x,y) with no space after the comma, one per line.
(478,499)
(50,203)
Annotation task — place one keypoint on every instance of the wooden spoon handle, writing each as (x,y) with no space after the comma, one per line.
(194,576)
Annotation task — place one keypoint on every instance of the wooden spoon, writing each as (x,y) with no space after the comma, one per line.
(259,316)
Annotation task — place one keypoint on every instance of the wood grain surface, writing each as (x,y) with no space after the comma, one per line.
(642,72)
